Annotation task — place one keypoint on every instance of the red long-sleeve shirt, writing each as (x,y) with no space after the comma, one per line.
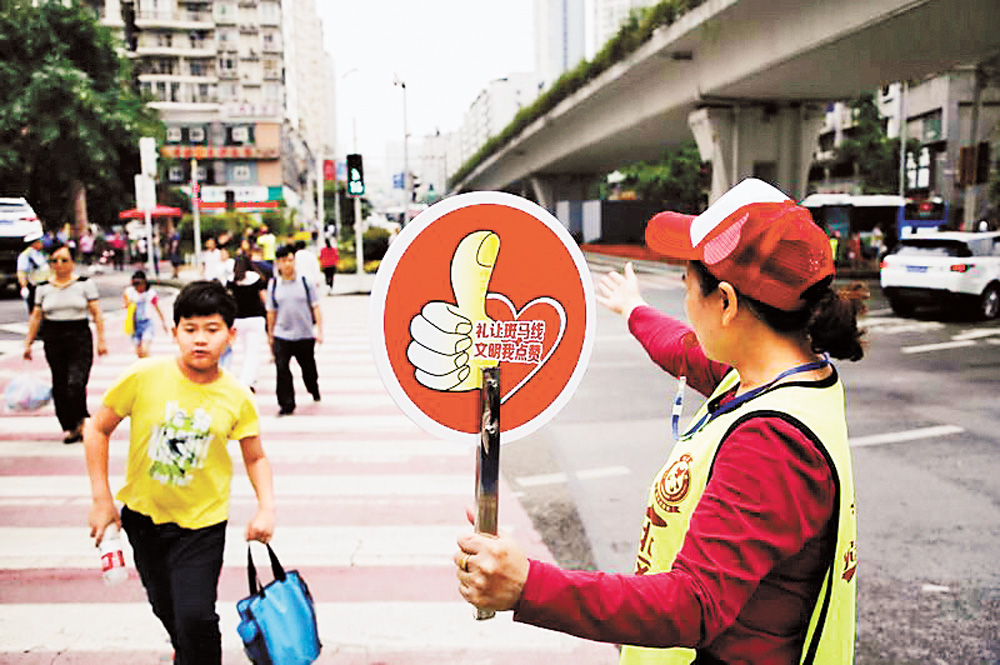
(745,581)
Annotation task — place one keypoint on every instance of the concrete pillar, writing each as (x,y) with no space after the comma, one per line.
(549,189)
(545,192)
(802,126)
(774,142)
(713,130)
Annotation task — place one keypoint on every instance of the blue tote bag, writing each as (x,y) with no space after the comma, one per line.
(278,622)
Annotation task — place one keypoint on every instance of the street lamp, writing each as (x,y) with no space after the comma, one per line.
(407,182)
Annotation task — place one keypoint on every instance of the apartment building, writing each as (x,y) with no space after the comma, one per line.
(944,114)
(215,70)
(559,37)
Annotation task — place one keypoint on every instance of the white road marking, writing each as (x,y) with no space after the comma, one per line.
(976,333)
(350,627)
(313,449)
(320,486)
(908,435)
(346,545)
(542,479)
(605,472)
(939,346)
(905,327)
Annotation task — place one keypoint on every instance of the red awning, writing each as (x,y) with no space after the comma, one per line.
(158,211)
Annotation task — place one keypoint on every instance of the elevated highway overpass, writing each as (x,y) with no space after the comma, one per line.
(748,80)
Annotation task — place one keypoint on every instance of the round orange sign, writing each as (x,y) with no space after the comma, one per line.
(482,280)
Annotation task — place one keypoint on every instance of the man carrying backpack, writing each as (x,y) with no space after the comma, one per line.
(294,327)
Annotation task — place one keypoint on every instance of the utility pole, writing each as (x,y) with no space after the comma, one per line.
(902,138)
(407,180)
(196,213)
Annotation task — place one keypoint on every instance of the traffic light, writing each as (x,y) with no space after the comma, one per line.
(355,175)
(414,186)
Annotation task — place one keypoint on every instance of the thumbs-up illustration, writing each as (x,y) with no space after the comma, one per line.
(442,333)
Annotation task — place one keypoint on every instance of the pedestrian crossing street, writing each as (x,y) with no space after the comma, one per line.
(369,507)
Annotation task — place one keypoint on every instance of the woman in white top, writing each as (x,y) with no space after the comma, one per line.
(65,302)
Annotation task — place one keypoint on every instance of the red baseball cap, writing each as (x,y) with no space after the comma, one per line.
(755,238)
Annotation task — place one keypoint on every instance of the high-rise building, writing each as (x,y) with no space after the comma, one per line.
(493,110)
(215,70)
(559,37)
(310,110)
(608,17)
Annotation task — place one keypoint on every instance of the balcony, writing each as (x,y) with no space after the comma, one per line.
(183,49)
(176,20)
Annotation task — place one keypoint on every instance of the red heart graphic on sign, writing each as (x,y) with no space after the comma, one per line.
(533,345)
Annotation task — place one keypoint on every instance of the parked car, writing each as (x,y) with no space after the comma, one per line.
(944,268)
(17,219)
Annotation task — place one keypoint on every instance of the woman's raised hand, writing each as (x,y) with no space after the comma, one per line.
(619,291)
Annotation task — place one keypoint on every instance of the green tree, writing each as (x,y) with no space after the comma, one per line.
(676,182)
(867,152)
(69,119)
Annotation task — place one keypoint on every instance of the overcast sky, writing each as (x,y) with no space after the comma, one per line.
(446,51)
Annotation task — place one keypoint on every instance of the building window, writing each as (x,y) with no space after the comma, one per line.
(196,134)
(270,12)
(176,174)
(240,134)
(272,92)
(918,169)
(173,134)
(241,173)
(225,11)
(229,92)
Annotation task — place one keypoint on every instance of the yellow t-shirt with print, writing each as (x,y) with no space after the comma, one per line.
(179,469)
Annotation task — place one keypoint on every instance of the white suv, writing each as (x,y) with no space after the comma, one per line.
(943,268)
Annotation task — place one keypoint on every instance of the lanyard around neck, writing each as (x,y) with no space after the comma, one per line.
(736,401)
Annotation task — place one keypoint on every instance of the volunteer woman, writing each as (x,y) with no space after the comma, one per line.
(65,302)
(748,548)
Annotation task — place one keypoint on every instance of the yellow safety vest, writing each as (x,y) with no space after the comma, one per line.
(818,412)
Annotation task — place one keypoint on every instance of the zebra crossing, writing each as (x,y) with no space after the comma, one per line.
(369,508)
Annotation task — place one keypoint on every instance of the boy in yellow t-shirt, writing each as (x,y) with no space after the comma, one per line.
(184,410)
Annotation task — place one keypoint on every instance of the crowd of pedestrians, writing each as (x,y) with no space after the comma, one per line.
(275,286)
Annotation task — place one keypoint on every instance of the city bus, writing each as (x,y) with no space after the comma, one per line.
(893,216)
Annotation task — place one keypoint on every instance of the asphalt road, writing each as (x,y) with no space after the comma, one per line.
(924,425)
(923,421)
